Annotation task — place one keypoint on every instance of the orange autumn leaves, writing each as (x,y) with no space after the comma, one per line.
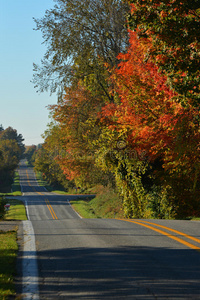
(75,117)
(148,108)
(144,108)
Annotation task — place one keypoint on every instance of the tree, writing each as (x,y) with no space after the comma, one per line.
(11,134)
(150,121)
(70,140)
(119,116)
(80,35)
(11,150)
(11,153)
(29,153)
(174,29)
(1,160)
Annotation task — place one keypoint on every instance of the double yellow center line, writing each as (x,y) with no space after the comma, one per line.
(28,178)
(51,209)
(145,224)
(52,212)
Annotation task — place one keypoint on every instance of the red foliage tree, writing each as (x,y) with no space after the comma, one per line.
(154,121)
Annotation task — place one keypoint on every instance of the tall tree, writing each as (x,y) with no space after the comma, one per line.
(11,150)
(11,153)
(151,122)
(80,35)
(71,139)
(11,134)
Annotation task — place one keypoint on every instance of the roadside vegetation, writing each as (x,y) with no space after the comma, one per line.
(17,210)
(8,254)
(127,118)
(9,246)
(14,188)
(95,202)
(54,187)
(11,151)
(104,204)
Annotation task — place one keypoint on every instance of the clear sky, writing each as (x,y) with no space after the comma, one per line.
(20,106)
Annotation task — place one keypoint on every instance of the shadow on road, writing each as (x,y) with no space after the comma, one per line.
(119,273)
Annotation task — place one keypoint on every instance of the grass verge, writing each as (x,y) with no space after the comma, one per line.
(16,187)
(9,249)
(106,204)
(17,211)
(82,207)
(8,254)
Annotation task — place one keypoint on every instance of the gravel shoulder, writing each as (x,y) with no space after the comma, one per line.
(9,225)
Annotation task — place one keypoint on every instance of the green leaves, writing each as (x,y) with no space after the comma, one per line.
(79,34)
(127,116)
(11,150)
(174,28)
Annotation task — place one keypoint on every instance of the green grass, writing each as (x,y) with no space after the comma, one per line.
(16,187)
(106,204)
(11,194)
(82,207)
(193,218)
(60,192)
(40,180)
(9,249)
(17,210)
(8,254)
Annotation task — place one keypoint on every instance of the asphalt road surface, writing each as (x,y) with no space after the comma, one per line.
(109,258)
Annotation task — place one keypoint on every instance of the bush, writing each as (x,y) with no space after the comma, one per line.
(161,203)
(2,209)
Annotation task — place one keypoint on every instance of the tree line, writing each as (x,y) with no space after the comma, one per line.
(127,78)
(11,151)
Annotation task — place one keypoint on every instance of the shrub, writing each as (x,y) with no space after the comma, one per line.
(2,209)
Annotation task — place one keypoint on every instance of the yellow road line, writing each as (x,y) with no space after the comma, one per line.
(51,209)
(53,214)
(39,193)
(173,230)
(31,185)
(28,178)
(165,233)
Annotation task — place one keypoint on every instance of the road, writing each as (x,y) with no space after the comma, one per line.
(109,258)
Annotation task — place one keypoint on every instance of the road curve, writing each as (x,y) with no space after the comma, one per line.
(108,258)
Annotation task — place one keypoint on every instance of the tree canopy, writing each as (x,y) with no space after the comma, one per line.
(129,113)
(79,35)
(174,28)
(11,151)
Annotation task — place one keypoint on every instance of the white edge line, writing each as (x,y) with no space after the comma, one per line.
(73,209)
(30,285)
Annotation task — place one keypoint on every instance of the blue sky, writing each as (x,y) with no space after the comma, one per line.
(20,106)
